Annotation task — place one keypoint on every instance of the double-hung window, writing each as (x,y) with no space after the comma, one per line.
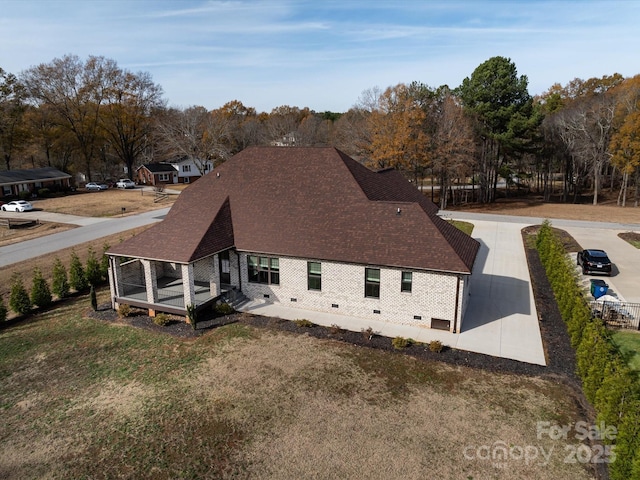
(263,270)
(407,280)
(314,276)
(372,282)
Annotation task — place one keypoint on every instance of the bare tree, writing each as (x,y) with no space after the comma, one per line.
(13,135)
(194,133)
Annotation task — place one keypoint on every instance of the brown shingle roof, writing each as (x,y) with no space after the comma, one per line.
(306,202)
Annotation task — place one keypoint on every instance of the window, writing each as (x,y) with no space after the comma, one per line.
(407,279)
(163,177)
(314,276)
(263,270)
(372,282)
(186,168)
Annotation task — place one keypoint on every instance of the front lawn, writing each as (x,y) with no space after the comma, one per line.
(85,398)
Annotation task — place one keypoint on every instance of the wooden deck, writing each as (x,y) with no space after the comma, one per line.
(17,222)
(170,295)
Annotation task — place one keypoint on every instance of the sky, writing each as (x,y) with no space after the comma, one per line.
(323,54)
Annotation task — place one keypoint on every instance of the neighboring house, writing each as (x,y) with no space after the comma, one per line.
(14,182)
(156,174)
(308,228)
(189,169)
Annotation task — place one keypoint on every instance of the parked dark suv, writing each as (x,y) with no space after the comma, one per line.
(594,261)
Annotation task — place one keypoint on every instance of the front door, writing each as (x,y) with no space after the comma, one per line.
(225,267)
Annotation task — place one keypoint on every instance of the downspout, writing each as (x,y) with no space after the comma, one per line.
(455,318)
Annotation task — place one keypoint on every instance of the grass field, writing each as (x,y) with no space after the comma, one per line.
(82,398)
(629,344)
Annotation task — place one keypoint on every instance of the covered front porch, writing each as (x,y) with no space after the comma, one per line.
(165,286)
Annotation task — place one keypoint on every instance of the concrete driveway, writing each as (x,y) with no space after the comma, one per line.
(624,256)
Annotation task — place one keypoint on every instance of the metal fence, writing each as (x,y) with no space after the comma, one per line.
(618,314)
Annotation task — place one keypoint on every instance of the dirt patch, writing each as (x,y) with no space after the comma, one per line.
(606,211)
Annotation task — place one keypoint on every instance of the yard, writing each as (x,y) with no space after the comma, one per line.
(85,398)
(629,344)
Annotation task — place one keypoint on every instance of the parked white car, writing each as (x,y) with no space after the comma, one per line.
(125,183)
(17,206)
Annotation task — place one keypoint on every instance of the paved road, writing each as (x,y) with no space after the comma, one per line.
(92,230)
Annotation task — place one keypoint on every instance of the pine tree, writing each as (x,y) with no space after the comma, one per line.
(77,277)
(19,300)
(40,292)
(94,298)
(104,262)
(92,270)
(60,283)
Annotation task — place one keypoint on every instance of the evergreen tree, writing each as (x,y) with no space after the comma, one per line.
(19,300)
(77,277)
(40,292)
(60,284)
(104,262)
(94,298)
(92,270)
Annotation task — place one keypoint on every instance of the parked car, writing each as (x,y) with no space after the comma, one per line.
(125,183)
(93,186)
(594,261)
(17,206)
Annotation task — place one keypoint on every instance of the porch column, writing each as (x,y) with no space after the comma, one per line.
(114,275)
(214,275)
(150,280)
(189,285)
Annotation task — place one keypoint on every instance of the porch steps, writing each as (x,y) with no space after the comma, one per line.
(235,298)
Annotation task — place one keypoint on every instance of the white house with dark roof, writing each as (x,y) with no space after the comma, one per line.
(15,182)
(307,228)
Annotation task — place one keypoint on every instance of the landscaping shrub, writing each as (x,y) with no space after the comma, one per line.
(435,346)
(24,195)
(192,315)
(104,262)
(335,329)
(77,277)
(224,309)
(92,270)
(40,292)
(304,323)
(60,283)
(161,319)
(400,342)
(124,310)
(44,192)
(19,300)
(3,311)
(367,334)
(94,298)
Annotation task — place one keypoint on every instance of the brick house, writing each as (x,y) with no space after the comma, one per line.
(156,174)
(14,182)
(308,228)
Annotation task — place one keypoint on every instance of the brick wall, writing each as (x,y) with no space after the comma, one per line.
(433,294)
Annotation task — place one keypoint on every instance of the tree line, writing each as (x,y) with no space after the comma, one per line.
(93,117)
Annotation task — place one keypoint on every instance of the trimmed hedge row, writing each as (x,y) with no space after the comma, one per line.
(607,380)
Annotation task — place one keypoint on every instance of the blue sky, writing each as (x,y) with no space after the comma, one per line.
(323,54)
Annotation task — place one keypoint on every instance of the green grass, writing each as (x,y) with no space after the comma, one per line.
(629,344)
(466,227)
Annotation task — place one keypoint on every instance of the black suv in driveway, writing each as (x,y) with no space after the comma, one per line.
(594,261)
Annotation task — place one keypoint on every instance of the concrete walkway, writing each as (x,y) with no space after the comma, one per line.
(501,318)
